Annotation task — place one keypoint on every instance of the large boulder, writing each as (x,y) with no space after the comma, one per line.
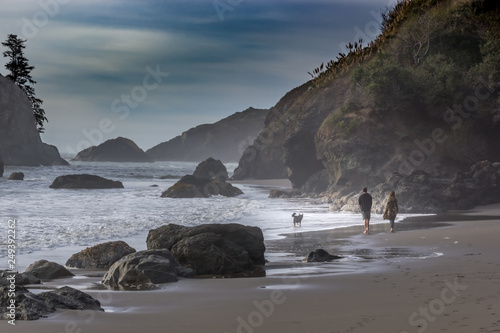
(29,306)
(114,150)
(212,249)
(20,142)
(211,168)
(16,176)
(69,298)
(145,268)
(194,187)
(1,167)
(100,256)
(20,279)
(48,270)
(85,181)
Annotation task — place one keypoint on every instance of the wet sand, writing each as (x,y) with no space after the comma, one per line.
(434,274)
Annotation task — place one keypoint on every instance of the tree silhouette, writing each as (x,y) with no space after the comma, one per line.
(19,73)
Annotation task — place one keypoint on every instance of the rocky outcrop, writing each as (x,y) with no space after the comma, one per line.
(29,306)
(208,179)
(194,187)
(212,169)
(20,142)
(420,192)
(224,140)
(84,181)
(20,279)
(114,150)
(348,128)
(16,176)
(1,167)
(321,255)
(48,270)
(480,185)
(144,269)
(263,159)
(212,249)
(100,256)
(286,148)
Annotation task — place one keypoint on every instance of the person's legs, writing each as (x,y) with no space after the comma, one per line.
(392,225)
(366,220)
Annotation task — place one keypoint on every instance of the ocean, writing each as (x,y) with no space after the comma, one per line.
(52,224)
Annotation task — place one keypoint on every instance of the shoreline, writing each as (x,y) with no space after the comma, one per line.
(268,183)
(424,279)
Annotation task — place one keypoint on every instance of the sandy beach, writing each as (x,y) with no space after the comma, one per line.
(425,277)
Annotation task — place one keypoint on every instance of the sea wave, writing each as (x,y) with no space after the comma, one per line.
(49,218)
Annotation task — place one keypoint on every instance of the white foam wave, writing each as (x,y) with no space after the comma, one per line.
(48,218)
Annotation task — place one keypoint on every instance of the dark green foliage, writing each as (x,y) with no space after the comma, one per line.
(437,57)
(463,47)
(440,80)
(489,68)
(388,83)
(20,74)
(19,70)
(392,19)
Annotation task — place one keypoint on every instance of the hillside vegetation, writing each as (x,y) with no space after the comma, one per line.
(436,69)
(422,96)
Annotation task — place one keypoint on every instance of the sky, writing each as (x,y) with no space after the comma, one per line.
(149,70)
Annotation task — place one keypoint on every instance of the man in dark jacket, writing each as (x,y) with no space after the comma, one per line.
(365,204)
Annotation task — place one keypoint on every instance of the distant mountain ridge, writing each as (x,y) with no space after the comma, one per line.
(224,140)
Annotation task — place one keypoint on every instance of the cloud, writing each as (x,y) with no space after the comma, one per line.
(89,53)
(96,49)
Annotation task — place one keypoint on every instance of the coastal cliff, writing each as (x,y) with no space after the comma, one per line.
(224,140)
(385,113)
(20,142)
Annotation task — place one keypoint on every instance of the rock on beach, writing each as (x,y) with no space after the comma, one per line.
(143,269)
(85,181)
(193,187)
(212,249)
(48,270)
(31,306)
(100,256)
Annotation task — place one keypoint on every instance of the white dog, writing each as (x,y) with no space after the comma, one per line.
(297,219)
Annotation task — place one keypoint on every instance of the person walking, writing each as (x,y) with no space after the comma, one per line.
(365,204)
(391,209)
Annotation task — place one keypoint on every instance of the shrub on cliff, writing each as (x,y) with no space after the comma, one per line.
(19,73)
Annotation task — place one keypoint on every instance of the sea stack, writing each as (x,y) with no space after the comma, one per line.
(114,150)
(20,142)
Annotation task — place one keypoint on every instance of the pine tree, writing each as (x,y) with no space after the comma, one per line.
(19,73)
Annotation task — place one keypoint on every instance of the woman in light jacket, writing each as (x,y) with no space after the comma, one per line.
(391,209)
